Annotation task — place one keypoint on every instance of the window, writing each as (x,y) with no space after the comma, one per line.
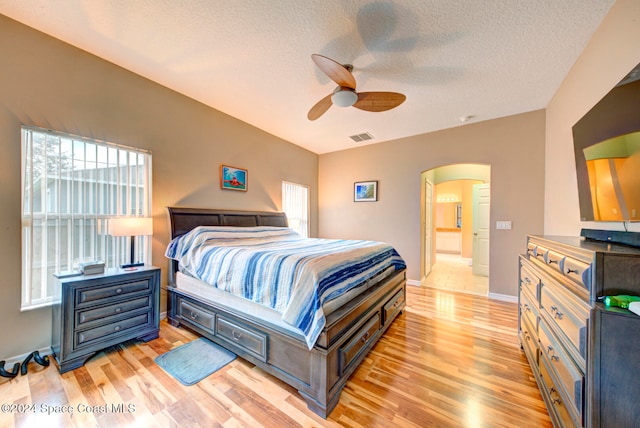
(295,203)
(71,186)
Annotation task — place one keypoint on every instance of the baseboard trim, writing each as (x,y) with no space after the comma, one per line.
(414,282)
(503,297)
(20,358)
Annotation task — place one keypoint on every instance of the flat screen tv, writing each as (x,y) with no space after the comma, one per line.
(607,153)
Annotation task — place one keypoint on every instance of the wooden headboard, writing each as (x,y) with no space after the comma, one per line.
(185,219)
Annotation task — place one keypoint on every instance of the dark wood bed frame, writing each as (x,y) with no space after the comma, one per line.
(318,374)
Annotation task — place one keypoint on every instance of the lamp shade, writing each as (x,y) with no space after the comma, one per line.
(130,226)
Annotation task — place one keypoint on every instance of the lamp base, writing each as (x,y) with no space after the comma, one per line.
(131,265)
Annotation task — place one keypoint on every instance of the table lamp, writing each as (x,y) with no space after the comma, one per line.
(131,226)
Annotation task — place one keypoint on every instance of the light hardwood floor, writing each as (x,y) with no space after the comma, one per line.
(450,360)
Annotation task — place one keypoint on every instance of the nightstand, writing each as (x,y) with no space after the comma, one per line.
(98,311)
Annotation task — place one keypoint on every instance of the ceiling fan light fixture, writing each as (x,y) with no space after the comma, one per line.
(344,97)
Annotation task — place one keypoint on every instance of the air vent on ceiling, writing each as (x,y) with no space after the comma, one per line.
(361,137)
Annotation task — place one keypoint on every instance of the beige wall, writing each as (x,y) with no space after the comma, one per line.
(49,84)
(611,53)
(513,147)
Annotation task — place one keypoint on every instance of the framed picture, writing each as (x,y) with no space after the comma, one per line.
(365,191)
(233,178)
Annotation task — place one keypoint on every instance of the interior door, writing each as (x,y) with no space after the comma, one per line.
(428,221)
(481,224)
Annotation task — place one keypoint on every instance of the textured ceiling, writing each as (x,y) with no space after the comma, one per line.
(251,58)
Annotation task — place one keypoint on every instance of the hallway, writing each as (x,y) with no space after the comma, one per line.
(452,273)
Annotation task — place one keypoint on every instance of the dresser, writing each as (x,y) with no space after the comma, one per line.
(98,311)
(583,355)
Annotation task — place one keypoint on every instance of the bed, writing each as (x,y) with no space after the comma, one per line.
(317,364)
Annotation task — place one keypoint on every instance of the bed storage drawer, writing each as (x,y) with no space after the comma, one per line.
(253,342)
(196,315)
(394,305)
(358,342)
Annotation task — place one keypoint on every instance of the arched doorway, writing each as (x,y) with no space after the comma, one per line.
(455,228)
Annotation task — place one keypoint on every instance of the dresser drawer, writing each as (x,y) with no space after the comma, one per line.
(529,311)
(392,306)
(577,271)
(92,295)
(197,315)
(568,314)
(109,313)
(570,377)
(540,253)
(528,279)
(554,260)
(359,341)
(107,332)
(556,398)
(255,343)
(529,341)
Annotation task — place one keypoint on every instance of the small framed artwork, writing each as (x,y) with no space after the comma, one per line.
(365,191)
(233,178)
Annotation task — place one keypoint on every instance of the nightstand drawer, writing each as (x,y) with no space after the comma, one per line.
(84,318)
(103,333)
(85,296)
(253,342)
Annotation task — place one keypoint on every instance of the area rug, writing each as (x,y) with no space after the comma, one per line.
(194,361)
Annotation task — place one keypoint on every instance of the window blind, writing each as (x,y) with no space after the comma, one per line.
(295,203)
(71,186)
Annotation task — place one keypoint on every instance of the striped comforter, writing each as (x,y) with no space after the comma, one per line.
(278,268)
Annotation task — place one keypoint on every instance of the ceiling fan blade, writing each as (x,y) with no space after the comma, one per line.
(335,71)
(379,101)
(320,108)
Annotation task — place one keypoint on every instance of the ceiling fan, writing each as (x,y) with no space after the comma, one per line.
(345,94)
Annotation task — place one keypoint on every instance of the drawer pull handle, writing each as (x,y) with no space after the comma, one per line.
(119,291)
(527,280)
(527,336)
(570,271)
(554,396)
(556,313)
(235,335)
(551,261)
(193,315)
(552,354)
(365,337)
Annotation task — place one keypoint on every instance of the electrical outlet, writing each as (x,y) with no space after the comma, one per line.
(503,225)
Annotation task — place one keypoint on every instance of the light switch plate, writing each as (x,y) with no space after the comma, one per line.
(503,224)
